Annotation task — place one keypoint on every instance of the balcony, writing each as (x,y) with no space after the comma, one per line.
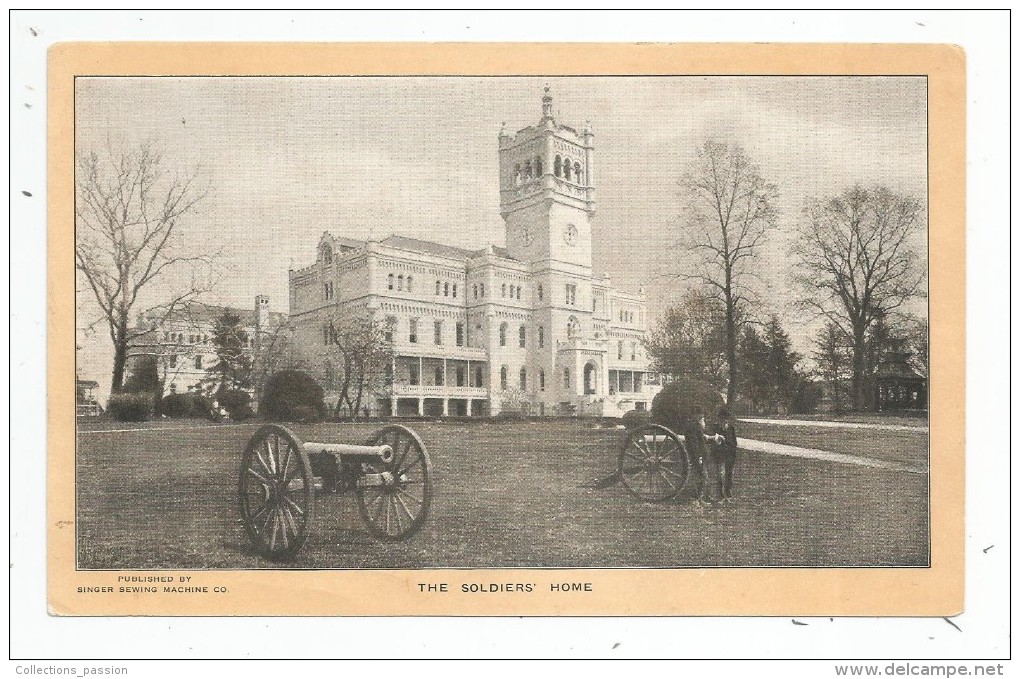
(439,391)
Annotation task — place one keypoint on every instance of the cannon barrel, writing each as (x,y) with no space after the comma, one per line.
(383,453)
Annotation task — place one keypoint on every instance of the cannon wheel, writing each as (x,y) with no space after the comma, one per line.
(653,463)
(277,492)
(397,511)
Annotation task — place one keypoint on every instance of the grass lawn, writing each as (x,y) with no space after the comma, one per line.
(507,495)
(905,447)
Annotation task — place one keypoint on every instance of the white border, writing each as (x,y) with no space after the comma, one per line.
(985,624)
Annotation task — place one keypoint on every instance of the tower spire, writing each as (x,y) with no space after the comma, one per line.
(546,104)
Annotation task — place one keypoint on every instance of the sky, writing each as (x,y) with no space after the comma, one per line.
(285,159)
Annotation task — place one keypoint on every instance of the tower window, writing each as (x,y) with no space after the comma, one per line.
(619,350)
(539,291)
(518,292)
(566,169)
(409,279)
(541,337)
(474,291)
(460,334)
(454,290)
(541,379)
(527,170)
(400,282)
(523,337)
(571,294)
(558,166)
(502,335)
(633,351)
(573,327)
(437,287)
(412,331)
(439,332)
(577,172)
(503,290)
(446,289)
(481,289)
(389,282)
(566,378)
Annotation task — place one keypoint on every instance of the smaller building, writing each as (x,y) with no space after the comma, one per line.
(86,403)
(897,385)
(182,344)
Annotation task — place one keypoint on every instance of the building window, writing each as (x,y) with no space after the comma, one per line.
(479,376)
(412,331)
(558,166)
(577,172)
(503,289)
(541,379)
(638,381)
(413,377)
(439,332)
(446,289)
(409,279)
(524,379)
(400,282)
(566,169)
(460,375)
(502,378)
(391,323)
(540,291)
(541,337)
(633,351)
(389,282)
(538,166)
(454,290)
(527,170)
(522,337)
(573,327)
(593,304)
(619,350)
(571,294)
(437,287)
(566,378)
(460,334)
(474,291)
(166,336)
(518,292)
(173,360)
(502,335)
(198,363)
(481,289)
(440,377)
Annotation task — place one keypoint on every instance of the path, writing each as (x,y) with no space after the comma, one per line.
(835,425)
(826,455)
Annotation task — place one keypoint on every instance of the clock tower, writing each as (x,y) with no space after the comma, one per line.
(547,191)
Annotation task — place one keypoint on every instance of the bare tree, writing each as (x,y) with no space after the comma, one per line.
(128,212)
(729,212)
(857,265)
(359,358)
(690,340)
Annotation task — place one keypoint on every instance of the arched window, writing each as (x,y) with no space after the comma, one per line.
(502,335)
(524,379)
(541,337)
(538,166)
(454,289)
(558,166)
(566,168)
(400,282)
(541,379)
(437,287)
(523,337)
(446,289)
(518,292)
(389,282)
(566,378)
(577,172)
(502,378)
(409,279)
(503,288)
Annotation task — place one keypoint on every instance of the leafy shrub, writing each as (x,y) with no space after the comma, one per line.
(681,404)
(632,419)
(130,407)
(292,396)
(237,403)
(175,405)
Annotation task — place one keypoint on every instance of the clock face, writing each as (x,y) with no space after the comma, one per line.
(570,234)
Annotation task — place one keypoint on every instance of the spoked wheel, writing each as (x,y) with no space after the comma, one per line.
(396,508)
(277,492)
(653,463)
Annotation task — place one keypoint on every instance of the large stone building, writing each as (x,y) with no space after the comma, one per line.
(477,331)
(181,343)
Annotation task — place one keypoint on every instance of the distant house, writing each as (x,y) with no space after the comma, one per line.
(182,343)
(86,404)
(898,386)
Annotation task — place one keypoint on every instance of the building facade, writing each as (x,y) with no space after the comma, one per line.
(182,342)
(527,327)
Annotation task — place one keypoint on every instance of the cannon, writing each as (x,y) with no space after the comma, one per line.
(655,464)
(390,475)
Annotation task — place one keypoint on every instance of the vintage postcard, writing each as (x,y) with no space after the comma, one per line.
(506,329)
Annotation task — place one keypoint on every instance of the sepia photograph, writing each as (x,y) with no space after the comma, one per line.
(502,322)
